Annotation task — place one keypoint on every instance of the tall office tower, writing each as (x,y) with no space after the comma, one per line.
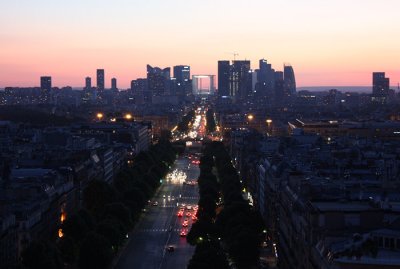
(380,84)
(182,73)
(45,83)
(224,68)
(240,80)
(114,84)
(265,79)
(254,79)
(182,85)
(290,81)
(279,87)
(100,79)
(158,80)
(88,83)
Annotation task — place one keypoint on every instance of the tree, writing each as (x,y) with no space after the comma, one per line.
(118,211)
(208,255)
(95,252)
(113,230)
(41,254)
(203,228)
(97,194)
(68,248)
(75,227)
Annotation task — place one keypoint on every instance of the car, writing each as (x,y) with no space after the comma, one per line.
(183,233)
(185,224)
(170,248)
(180,214)
(188,214)
(155,203)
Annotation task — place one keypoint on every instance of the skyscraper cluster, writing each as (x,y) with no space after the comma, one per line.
(160,87)
(237,81)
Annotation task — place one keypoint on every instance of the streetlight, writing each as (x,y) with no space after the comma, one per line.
(269,121)
(99,116)
(128,116)
(250,117)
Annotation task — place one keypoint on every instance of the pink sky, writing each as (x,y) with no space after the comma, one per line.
(335,43)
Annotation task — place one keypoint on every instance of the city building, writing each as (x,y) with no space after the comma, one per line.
(279,85)
(182,73)
(100,79)
(224,68)
(182,86)
(235,80)
(114,84)
(289,80)
(381,92)
(203,84)
(45,83)
(240,83)
(88,83)
(158,80)
(380,84)
(265,80)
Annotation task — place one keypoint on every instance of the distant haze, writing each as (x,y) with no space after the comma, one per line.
(360,89)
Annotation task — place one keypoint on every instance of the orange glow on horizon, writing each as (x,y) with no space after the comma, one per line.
(325,49)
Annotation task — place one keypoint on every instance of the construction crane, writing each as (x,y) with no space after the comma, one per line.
(234,54)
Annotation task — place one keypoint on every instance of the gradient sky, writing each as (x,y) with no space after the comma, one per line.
(328,42)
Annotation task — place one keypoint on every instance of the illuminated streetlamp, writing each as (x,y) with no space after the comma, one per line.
(250,117)
(269,125)
(128,116)
(99,116)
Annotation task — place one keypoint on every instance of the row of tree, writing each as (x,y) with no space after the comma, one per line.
(183,125)
(225,216)
(204,233)
(93,235)
(210,121)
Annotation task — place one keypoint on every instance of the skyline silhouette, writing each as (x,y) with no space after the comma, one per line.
(329,43)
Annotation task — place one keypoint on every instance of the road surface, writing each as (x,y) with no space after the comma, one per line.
(160,226)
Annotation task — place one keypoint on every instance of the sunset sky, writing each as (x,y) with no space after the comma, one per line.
(328,42)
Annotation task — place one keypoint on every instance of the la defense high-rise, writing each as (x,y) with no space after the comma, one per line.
(88,83)
(158,80)
(100,79)
(380,84)
(289,81)
(183,84)
(45,83)
(224,68)
(234,80)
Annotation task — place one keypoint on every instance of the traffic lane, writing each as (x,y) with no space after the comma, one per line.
(183,251)
(153,232)
(146,247)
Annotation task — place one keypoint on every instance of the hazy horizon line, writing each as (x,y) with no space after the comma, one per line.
(362,88)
